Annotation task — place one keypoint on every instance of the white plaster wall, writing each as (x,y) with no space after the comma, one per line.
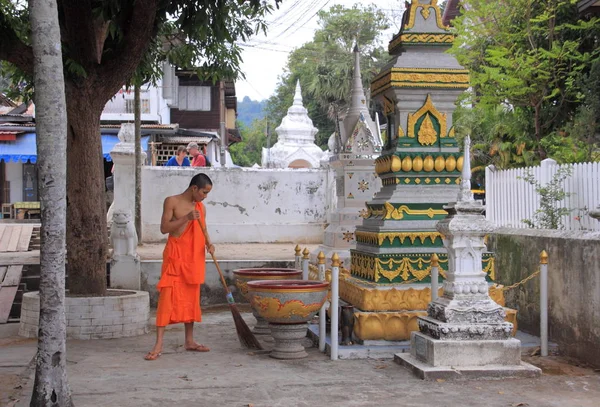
(245,205)
(14,175)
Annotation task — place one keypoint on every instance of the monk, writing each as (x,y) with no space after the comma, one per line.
(184,261)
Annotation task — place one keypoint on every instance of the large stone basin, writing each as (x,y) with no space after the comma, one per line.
(287,305)
(243,276)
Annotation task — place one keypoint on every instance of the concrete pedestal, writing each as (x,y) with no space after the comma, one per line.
(288,341)
(125,272)
(262,326)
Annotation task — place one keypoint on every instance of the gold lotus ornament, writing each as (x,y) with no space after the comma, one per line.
(428,163)
(406,164)
(440,164)
(459,163)
(450,163)
(396,164)
(417,163)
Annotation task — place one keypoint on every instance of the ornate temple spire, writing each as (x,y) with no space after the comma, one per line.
(358,102)
(298,95)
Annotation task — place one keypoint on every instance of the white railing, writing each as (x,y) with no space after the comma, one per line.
(510,199)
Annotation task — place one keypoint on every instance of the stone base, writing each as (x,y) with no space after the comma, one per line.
(262,326)
(288,341)
(458,353)
(113,316)
(125,272)
(428,372)
(452,359)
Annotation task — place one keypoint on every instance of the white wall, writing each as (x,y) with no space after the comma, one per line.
(245,205)
(14,175)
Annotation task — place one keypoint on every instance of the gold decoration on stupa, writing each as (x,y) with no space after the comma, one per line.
(427,133)
(426,9)
(429,113)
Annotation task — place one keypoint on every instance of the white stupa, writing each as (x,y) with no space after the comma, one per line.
(295,147)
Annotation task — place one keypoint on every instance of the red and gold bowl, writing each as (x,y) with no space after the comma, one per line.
(243,276)
(287,301)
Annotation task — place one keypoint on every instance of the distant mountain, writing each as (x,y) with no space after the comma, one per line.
(249,109)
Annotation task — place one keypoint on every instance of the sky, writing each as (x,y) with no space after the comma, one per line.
(293,24)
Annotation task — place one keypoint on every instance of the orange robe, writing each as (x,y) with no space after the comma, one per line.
(183,270)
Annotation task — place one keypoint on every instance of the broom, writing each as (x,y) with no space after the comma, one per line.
(245,335)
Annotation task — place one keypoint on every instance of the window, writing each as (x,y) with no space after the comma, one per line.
(130,106)
(194,98)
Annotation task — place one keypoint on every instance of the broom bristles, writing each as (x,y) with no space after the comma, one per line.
(245,335)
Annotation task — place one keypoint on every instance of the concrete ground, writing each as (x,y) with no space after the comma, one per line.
(114,373)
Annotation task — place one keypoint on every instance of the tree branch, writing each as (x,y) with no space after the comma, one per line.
(138,31)
(80,31)
(13,50)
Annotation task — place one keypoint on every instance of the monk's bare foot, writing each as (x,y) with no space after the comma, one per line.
(152,355)
(196,347)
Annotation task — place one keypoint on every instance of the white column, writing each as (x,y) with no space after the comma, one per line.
(125,269)
(335,287)
(435,264)
(544,303)
(323,311)
(305,260)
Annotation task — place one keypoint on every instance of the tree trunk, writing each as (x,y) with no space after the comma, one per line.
(87,235)
(50,386)
(138,162)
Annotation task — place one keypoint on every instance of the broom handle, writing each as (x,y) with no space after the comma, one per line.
(229,296)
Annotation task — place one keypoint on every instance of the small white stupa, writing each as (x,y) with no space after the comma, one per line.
(295,147)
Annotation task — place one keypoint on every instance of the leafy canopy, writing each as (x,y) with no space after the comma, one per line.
(528,61)
(97,35)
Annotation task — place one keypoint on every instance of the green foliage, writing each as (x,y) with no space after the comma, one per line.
(549,215)
(533,59)
(249,151)
(191,34)
(248,110)
(324,65)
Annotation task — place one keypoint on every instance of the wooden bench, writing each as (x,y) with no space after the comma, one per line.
(14,239)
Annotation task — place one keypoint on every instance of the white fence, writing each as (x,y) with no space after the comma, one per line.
(510,199)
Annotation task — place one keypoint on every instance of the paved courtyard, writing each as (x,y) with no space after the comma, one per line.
(113,373)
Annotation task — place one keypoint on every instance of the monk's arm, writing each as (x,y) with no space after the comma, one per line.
(167,223)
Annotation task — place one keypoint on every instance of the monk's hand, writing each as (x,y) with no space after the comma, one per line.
(210,248)
(193,215)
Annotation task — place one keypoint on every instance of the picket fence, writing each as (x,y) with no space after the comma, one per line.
(510,199)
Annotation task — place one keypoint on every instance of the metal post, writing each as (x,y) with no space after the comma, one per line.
(335,288)
(222,128)
(305,258)
(323,311)
(544,303)
(297,258)
(435,264)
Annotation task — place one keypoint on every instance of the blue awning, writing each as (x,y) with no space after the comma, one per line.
(24,148)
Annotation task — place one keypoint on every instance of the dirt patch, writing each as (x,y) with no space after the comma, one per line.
(561,366)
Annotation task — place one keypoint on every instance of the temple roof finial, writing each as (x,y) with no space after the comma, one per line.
(298,94)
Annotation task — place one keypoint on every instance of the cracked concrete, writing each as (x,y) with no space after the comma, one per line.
(113,373)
